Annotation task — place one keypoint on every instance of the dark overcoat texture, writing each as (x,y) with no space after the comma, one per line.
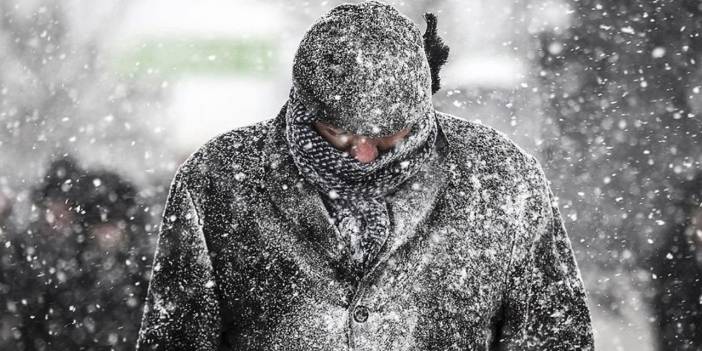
(477,259)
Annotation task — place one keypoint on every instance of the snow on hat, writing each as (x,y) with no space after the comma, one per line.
(362,68)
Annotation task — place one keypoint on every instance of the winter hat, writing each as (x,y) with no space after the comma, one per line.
(364,69)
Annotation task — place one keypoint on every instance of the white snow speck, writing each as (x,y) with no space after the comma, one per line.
(658,52)
(628,30)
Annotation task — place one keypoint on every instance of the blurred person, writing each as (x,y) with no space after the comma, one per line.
(677,267)
(5,210)
(53,219)
(8,259)
(361,218)
(81,279)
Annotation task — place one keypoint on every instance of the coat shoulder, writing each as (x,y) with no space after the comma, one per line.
(237,154)
(478,149)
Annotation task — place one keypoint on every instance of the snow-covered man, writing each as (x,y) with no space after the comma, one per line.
(360,218)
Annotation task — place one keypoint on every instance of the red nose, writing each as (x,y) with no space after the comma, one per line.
(364,152)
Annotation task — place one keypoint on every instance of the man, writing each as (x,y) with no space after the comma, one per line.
(362,219)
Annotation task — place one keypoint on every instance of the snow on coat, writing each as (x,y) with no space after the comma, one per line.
(478,258)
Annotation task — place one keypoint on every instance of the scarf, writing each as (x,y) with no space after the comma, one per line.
(354,192)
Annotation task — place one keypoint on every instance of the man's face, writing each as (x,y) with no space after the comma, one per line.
(58,214)
(362,148)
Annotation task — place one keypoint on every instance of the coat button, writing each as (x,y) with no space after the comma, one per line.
(360,313)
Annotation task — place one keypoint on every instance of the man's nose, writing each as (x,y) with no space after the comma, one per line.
(363,150)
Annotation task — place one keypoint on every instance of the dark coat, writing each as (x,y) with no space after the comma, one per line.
(478,258)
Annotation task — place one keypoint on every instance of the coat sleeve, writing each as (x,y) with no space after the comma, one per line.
(545,305)
(182,310)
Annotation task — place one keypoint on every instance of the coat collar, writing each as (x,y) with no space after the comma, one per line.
(301,204)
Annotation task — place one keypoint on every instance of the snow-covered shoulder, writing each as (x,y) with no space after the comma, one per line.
(479,150)
(236,156)
(489,171)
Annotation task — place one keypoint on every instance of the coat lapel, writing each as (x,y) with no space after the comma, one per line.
(297,200)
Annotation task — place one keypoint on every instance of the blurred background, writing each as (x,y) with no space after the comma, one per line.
(101,101)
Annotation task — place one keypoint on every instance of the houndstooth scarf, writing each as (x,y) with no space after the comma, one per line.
(353,191)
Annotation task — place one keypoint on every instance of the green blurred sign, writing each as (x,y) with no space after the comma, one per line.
(197,56)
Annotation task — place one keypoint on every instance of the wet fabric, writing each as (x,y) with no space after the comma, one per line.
(355,192)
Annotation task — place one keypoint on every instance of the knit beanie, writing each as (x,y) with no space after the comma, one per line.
(363,68)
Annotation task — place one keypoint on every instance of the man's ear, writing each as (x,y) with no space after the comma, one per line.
(437,52)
